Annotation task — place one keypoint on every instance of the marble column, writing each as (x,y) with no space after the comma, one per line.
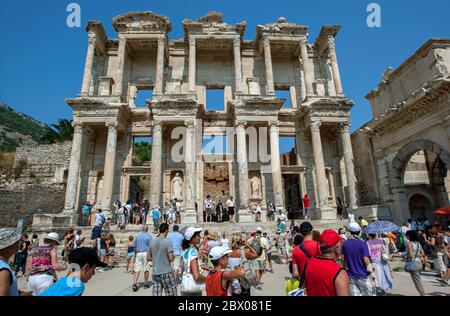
(74,169)
(190,217)
(307,69)
(109,169)
(192,64)
(320,165)
(156,165)
(276,166)
(87,76)
(237,64)
(334,66)
(159,78)
(118,87)
(305,147)
(270,89)
(349,166)
(244,215)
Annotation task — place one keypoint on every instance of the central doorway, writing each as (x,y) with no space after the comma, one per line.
(293,196)
(216,182)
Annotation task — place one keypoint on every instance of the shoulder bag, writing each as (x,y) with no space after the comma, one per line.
(413,265)
(188,283)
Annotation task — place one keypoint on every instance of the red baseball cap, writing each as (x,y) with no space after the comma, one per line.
(253,234)
(329,238)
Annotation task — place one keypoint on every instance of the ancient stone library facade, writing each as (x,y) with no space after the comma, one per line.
(250,76)
(403,153)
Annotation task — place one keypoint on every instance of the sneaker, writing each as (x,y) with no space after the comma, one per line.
(147,286)
(135,288)
(258,287)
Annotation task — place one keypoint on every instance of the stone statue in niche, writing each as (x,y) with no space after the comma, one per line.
(177,187)
(256,188)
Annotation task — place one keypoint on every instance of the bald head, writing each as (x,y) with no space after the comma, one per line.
(145,228)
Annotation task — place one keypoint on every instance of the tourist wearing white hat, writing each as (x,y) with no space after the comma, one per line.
(193,282)
(9,245)
(43,265)
(218,279)
(358,263)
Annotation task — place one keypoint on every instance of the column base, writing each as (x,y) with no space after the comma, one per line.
(55,220)
(324,213)
(244,216)
(189,217)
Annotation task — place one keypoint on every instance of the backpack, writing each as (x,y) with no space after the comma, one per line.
(256,244)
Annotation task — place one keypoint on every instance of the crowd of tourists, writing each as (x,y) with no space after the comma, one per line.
(351,261)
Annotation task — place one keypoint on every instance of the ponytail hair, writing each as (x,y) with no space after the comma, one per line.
(185,244)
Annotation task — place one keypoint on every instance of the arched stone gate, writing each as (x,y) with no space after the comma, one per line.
(400,204)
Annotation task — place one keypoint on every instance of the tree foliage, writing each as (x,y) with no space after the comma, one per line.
(61,132)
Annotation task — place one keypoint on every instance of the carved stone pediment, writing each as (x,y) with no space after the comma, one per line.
(138,22)
(282,27)
(328,107)
(98,107)
(258,106)
(175,107)
(213,23)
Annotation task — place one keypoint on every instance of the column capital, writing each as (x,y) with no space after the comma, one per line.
(192,41)
(190,124)
(315,126)
(112,126)
(92,38)
(331,45)
(274,126)
(78,127)
(266,42)
(161,40)
(304,42)
(240,124)
(345,127)
(236,42)
(157,126)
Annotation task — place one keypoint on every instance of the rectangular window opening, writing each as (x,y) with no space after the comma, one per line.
(142,151)
(142,96)
(284,93)
(215,144)
(215,99)
(288,152)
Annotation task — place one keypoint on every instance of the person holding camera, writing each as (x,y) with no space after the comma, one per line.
(240,250)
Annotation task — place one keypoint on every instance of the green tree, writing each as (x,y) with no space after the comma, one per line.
(61,132)
(142,153)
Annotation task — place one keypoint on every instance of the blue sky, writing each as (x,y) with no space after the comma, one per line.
(42,59)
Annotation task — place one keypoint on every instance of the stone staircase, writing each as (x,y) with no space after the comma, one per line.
(122,236)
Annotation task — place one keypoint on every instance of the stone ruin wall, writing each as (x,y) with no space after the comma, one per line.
(40,185)
(365,170)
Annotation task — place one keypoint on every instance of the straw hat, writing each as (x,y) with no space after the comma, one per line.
(213,236)
(8,237)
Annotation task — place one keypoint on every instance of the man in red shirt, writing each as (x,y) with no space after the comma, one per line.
(324,277)
(303,252)
(306,205)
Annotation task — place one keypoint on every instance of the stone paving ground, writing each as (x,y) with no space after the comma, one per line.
(116,282)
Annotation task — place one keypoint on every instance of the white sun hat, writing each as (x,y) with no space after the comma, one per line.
(54,237)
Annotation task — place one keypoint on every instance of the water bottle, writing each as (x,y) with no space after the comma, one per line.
(237,286)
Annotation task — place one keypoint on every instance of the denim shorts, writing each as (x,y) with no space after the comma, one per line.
(130,255)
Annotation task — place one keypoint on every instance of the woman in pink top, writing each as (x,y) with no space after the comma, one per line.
(43,264)
(376,249)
